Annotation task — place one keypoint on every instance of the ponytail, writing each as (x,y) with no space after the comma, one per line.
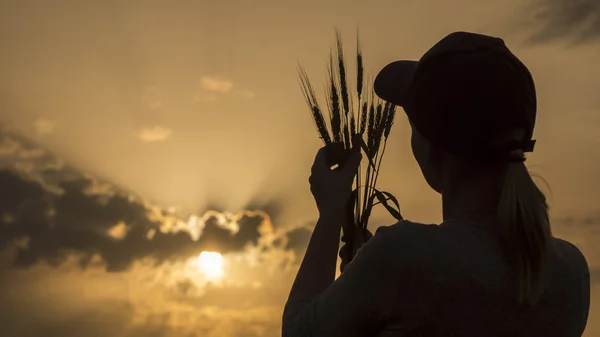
(524,231)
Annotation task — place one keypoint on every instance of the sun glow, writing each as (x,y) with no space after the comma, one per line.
(211,264)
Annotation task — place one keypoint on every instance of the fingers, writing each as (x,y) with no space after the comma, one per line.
(327,156)
(350,168)
(321,157)
(336,154)
(353,162)
(332,154)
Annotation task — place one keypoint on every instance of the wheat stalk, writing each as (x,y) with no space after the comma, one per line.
(369,127)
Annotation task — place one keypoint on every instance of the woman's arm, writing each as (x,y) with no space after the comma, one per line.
(356,304)
(317,271)
(356,301)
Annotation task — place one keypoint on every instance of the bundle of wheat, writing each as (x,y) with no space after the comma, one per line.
(368,126)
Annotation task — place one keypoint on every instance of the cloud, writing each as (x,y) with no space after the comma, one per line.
(21,155)
(8,147)
(60,212)
(212,88)
(44,126)
(297,240)
(213,84)
(119,231)
(575,21)
(82,305)
(154,134)
(113,226)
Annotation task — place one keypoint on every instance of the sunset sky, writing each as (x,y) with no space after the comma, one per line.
(136,135)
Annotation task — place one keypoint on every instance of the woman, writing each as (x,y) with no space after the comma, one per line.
(492,268)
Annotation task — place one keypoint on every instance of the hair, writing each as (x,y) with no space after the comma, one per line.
(525,233)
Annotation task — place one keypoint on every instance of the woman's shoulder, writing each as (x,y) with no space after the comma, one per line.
(409,230)
(408,237)
(570,254)
(406,246)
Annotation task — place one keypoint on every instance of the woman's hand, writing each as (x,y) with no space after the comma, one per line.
(332,188)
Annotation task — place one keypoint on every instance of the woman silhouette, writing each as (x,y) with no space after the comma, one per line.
(492,268)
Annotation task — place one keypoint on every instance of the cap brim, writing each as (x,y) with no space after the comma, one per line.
(394,80)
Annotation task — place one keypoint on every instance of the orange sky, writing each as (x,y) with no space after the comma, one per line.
(195,106)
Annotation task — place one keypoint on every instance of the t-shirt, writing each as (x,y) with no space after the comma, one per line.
(447,280)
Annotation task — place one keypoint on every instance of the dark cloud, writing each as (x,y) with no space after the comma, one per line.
(272,207)
(78,220)
(572,21)
(217,238)
(298,240)
(249,229)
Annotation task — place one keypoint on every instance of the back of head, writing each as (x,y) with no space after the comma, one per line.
(470,96)
(469,91)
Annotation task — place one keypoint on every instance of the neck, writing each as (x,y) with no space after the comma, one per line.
(471,193)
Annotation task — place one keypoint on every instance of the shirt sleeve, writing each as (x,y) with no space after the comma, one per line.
(358,303)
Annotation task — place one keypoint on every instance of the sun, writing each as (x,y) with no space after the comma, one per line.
(211,264)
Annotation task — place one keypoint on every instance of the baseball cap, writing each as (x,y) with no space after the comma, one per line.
(463,92)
